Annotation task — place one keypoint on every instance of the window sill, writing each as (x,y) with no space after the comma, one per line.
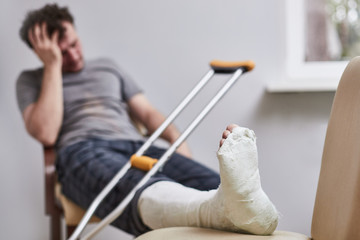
(302,86)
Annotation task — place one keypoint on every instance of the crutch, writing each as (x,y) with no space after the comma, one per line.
(153,165)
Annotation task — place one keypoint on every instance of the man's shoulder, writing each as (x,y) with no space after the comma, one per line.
(102,62)
(30,75)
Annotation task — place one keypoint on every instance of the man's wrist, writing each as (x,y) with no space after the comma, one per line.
(53,66)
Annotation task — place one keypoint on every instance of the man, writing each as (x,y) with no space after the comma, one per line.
(82,107)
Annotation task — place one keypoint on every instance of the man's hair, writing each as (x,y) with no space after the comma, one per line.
(52,14)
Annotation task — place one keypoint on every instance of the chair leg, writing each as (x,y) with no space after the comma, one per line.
(70,230)
(55,229)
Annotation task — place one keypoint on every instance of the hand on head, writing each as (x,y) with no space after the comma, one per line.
(45,46)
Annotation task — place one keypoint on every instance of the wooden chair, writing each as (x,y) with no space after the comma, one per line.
(336,214)
(56,204)
(52,207)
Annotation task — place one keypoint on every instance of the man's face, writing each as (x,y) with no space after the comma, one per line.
(71,50)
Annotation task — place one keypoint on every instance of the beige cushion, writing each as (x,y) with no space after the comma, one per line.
(192,233)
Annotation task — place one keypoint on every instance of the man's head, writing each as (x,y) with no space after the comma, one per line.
(57,19)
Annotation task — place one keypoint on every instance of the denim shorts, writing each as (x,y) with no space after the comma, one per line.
(85,168)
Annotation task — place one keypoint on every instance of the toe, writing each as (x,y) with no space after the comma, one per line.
(231,127)
(221,142)
(225,134)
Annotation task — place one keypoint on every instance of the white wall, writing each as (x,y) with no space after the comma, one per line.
(166,46)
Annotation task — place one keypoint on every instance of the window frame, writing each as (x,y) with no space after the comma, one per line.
(301,75)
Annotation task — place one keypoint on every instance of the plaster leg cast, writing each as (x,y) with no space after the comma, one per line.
(238,205)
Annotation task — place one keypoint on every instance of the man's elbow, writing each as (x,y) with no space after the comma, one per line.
(46,138)
(48,142)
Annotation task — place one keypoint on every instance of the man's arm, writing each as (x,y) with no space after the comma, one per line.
(43,118)
(142,110)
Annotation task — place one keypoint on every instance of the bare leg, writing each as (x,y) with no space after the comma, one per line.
(239,204)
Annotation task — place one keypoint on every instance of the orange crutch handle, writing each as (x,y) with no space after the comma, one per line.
(230,67)
(142,162)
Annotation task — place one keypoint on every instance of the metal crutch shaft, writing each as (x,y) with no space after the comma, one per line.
(118,210)
(94,205)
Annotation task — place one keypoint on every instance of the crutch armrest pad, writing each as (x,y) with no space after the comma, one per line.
(142,162)
(230,67)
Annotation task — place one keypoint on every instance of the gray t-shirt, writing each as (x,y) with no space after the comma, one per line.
(94,102)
